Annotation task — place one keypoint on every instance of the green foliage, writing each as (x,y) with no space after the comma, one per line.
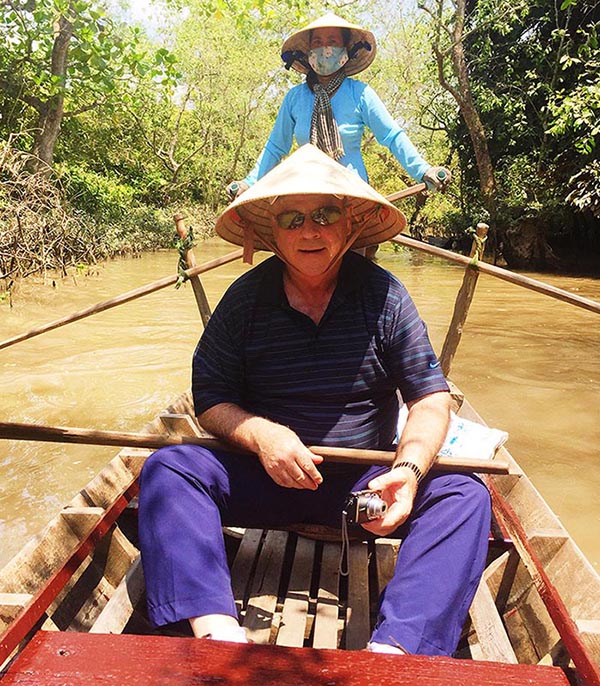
(248,17)
(585,193)
(96,194)
(103,64)
(577,114)
(140,229)
(534,72)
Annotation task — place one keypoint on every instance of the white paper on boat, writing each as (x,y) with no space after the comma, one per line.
(465,438)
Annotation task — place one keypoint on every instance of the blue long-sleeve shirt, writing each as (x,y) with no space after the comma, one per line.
(355,105)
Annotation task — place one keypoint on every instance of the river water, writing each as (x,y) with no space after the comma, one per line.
(528,363)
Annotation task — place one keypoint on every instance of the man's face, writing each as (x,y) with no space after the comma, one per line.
(317,231)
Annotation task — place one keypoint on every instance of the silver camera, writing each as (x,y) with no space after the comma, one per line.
(364,506)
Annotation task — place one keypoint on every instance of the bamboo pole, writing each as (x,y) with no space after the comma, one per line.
(504,274)
(121,299)
(199,293)
(463,301)
(67,434)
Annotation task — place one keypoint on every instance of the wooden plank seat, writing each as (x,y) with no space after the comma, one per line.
(289,591)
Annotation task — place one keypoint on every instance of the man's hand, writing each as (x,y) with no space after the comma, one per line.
(283,455)
(422,437)
(398,489)
(437,178)
(287,460)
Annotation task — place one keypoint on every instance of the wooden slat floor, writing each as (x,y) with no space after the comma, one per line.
(60,658)
(290,592)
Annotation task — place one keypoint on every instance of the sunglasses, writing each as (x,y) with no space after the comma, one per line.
(324,216)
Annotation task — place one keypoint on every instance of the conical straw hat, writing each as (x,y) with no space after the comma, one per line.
(309,171)
(299,41)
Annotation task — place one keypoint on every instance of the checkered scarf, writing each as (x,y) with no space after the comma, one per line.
(324,132)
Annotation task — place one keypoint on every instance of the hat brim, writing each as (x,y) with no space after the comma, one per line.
(300,40)
(309,171)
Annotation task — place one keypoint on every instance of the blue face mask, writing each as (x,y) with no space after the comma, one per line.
(327,60)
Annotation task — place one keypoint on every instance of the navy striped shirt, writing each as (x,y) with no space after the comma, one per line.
(333,383)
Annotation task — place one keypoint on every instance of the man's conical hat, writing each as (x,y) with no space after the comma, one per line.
(300,42)
(248,219)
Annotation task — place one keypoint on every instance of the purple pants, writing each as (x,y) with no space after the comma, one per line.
(188,493)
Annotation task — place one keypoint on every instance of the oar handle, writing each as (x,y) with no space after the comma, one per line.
(387,457)
(65,434)
(407,192)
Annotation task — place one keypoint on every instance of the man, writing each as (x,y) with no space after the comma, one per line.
(311,347)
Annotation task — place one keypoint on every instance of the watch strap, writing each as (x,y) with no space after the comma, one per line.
(413,467)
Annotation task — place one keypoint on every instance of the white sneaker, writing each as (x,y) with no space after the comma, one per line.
(236,634)
(384,648)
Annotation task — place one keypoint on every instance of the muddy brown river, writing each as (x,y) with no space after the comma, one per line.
(528,363)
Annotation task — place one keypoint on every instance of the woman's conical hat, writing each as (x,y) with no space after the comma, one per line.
(300,41)
(309,171)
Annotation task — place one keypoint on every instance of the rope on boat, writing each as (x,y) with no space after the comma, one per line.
(480,243)
(183,245)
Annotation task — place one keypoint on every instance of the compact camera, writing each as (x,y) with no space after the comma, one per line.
(364,506)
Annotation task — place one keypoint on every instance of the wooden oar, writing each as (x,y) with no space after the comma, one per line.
(67,434)
(120,299)
(498,272)
(407,192)
(484,267)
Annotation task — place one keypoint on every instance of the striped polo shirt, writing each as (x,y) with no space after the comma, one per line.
(334,383)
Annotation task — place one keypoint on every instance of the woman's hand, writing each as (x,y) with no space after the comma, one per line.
(437,178)
(236,188)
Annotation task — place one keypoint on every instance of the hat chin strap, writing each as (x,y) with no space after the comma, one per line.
(291,56)
(353,51)
(352,238)
(248,243)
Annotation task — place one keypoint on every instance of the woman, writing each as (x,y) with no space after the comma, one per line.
(331,110)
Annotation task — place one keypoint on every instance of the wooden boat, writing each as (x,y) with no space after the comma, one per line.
(72,604)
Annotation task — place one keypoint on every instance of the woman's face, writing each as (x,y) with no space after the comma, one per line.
(327,36)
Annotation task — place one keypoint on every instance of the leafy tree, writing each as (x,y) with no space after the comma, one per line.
(231,88)
(533,70)
(61,58)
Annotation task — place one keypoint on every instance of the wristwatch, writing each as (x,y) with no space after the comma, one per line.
(413,467)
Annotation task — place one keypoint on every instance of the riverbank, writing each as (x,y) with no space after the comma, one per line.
(582,266)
